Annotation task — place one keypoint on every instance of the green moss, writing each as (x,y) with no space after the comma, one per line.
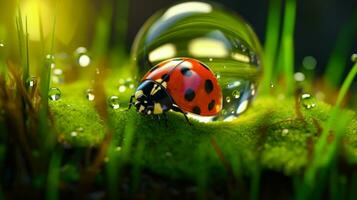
(268,136)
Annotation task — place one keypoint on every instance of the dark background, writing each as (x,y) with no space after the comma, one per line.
(318,23)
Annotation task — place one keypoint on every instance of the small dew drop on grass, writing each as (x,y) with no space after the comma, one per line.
(122,88)
(114,102)
(90,95)
(54,94)
(125,84)
(307,101)
(74,133)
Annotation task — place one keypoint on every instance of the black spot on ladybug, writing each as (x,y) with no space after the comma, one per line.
(196,110)
(205,66)
(189,94)
(186,71)
(165,77)
(208,86)
(211,105)
(152,69)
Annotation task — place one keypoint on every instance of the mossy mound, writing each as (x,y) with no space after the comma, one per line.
(273,134)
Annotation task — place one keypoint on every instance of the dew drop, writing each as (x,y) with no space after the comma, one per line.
(122,88)
(308,101)
(2,45)
(284,132)
(82,57)
(114,102)
(228,99)
(236,94)
(31,81)
(90,94)
(74,133)
(299,76)
(54,94)
(118,148)
(218,76)
(210,59)
(58,76)
(354,57)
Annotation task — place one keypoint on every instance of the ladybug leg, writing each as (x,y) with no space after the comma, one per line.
(165,119)
(131,102)
(177,109)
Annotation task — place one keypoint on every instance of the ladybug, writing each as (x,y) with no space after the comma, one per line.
(183,85)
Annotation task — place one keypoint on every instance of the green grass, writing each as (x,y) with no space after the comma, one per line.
(87,145)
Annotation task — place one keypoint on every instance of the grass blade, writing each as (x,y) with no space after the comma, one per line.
(271,43)
(339,57)
(287,44)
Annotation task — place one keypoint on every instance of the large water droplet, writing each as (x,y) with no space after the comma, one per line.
(220,40)
(54,94)
(90,94)
(114,102)
(308,101)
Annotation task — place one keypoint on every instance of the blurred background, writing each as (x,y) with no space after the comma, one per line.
(321,25)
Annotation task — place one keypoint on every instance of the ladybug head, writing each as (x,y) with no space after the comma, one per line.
(144,105)
(151,98)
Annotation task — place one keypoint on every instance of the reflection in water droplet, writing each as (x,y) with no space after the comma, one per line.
(114,102)
(299,76)
(54,94)
(354,57)
(236,94)
(242,107)
(308,101)
(90,95)
(228,99)
(229,48)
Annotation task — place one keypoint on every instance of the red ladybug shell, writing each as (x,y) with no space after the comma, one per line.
(191,85)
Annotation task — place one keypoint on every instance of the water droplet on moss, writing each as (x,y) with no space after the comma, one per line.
(74,134)
(54,94)
(222,41)
(308,101)
(114,102)
(284,132)
(90,95)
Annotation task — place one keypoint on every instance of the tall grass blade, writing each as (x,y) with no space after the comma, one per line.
(339,56)
(53,176)
(271,43)
(287,44)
